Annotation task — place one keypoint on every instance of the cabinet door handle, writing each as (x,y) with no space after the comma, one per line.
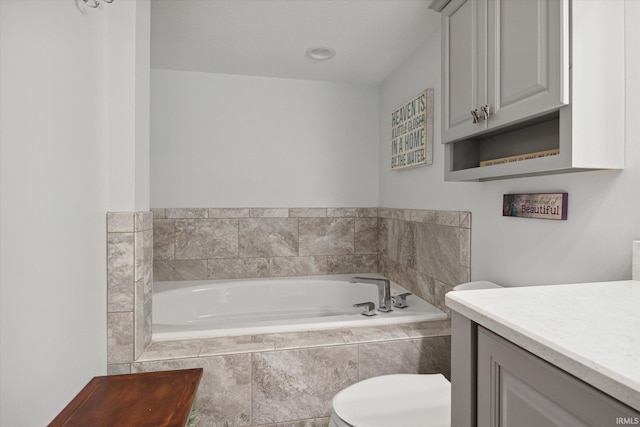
(486,112)
(476,115)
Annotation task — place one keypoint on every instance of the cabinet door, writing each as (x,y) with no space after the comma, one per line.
(463,66)
(518,389)
(528,58)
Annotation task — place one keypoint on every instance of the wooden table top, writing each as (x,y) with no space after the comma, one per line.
(154,399)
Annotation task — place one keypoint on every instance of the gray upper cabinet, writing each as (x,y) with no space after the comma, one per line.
(542,76)
(464,65)
(509,56)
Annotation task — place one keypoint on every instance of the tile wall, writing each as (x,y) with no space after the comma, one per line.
(427,252)
(129,287)
(289,379)
(273,380)
(194,244)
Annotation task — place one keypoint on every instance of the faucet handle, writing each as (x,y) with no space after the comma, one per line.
(368,308)
(400,301)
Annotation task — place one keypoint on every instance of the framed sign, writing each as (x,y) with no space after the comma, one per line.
(536,205)
(412,132)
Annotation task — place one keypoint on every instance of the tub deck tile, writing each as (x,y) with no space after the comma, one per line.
(428,329)
(304,339)
(372,334)
(248,347)
(165,350)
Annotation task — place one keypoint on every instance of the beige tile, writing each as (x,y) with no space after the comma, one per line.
(423,216)
(303,339)
(413,356)
(120,222)
(143,221)
(401,245)
(440,290)
(158,213)
(347,264)
(206,238)
(268,237)
(315,422)
(449,218)
(401,214)
(298,266)
(307,212)
(425,288)
(224,394)
(300,384)
(326,236)
(269,212)
(374,333)
(164,239)
(232,345)
(352,212)
(229,213)
(465,247)
(120,337)
(383,230)
(428,329)
(366,235)
(166,350)
(438,252)
(182,213)
(465,219)
(385,213)
(171,270)
(121,369)
(238,268)
(120,271)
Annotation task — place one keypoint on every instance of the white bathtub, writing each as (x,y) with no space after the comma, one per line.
(215,308)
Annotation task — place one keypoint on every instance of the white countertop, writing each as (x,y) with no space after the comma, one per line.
(591,330)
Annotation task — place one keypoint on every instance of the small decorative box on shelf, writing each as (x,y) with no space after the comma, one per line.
(153,399)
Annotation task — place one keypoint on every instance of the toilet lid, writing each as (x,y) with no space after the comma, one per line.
(406,400)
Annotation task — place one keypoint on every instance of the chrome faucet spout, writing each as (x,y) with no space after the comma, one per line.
(384,290)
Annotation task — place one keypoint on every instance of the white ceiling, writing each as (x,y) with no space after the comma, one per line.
(269,37)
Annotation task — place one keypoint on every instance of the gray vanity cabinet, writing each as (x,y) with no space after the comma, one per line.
(509,55)
(496,383)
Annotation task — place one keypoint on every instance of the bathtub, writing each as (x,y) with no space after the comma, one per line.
(216,308)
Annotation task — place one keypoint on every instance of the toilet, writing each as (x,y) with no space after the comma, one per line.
(407,400)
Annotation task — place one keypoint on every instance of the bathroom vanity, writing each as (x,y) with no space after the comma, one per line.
(546,355)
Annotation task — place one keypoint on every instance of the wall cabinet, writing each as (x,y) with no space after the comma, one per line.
(511,56)
(551,75)
(495,383)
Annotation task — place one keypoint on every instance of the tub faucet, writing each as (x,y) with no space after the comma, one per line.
(384,291)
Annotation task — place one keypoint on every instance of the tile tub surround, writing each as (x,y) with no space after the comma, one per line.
(289,379)
(244,376)
(129,287)
(425,251)
(238,243)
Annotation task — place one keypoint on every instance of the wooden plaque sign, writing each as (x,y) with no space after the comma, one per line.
(412,132)
(536,205)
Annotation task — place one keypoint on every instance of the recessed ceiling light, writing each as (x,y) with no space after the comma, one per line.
(320,53)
